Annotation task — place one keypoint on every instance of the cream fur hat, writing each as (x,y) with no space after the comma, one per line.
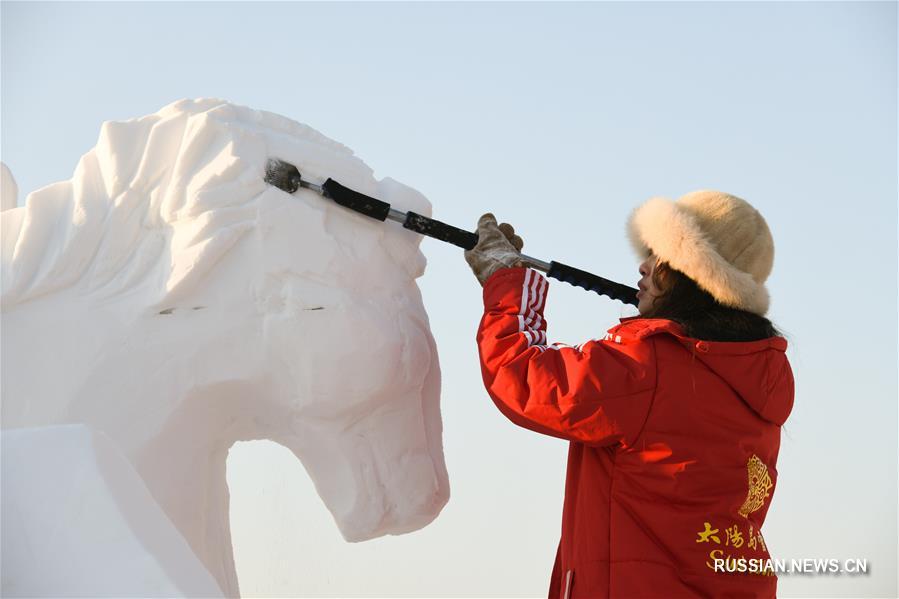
(718,240)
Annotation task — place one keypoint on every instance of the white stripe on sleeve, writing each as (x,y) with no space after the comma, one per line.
(525,293)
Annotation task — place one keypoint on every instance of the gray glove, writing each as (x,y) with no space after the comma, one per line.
(498,247)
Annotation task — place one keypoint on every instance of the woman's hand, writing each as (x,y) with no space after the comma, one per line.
(498,247)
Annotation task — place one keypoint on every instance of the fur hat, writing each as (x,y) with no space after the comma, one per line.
(718,240)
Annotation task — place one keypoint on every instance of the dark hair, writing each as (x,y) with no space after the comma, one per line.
(701,315)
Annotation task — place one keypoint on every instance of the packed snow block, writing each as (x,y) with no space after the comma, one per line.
(169,297)
(77,521)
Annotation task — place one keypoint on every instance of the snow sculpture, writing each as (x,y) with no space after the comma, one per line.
(9,191)
(132,548)
(168,297)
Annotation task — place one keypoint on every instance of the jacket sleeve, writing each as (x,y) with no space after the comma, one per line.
(598,393)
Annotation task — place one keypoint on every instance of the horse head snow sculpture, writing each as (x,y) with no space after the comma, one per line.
(168,297)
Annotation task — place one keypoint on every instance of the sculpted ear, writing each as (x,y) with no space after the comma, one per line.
(9,191)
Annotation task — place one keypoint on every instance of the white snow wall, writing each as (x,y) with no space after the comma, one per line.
(170,299)
(79,522)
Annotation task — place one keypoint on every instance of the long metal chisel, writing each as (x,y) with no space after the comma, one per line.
(287,177)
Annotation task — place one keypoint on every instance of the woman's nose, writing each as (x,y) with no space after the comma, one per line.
(643,269)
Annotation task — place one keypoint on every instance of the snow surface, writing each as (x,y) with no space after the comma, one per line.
(104,506)
(169,298)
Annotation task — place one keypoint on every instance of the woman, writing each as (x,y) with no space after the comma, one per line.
(674,416)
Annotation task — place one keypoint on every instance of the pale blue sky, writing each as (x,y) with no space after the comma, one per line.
(559,118)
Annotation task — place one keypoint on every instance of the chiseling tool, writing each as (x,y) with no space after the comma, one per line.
(287,177)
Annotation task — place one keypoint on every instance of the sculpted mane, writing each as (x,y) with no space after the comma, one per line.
(165,195)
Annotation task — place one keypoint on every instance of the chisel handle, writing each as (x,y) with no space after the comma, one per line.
(286,177)
(375,208)
(352,199)
(440,230)
(592,282)
(574,276)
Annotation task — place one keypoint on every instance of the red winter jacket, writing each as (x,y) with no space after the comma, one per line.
(673,447)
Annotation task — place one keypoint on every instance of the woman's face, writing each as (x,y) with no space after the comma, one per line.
(648,290)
